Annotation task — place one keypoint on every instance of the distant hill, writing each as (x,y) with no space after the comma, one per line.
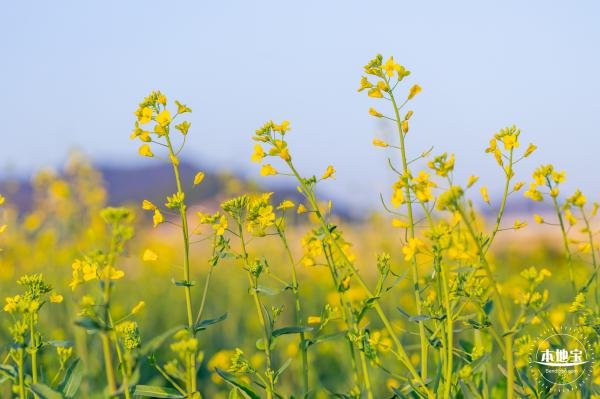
(127,184)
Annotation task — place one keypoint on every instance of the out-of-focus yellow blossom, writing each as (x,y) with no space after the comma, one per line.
(373,112)
(149,256)
(328,172)
(301,209)
(163,118)
(484,194)
(414,90)
(285,204)
(313,320)
(198,178)
(538,219)
(268,170)
(412,248)
(380,143)
(518,185)
(144,115)
(145,151)
(533,193)
(138,307)
(530,149)
(405,127)
(158,217)
(570,217)
(148,206)
(182,108)
(56,298)
(364,84)
(258,154)
(519,224)
(398,223)
(577,199)
(472,180)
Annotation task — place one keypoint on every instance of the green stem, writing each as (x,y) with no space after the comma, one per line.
(253,281)
(411,224)
(20,366)
(186,263)
(565,238)
(108,364)
(33,351)
(299,315)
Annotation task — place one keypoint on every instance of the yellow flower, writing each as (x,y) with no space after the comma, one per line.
(559,177)
(375,93)
(56,298)
(198,178)
(375,113)
(163,118)
(510,141)
(412,247)
(112,273)
(144,115)
(2,199)
(301,209)
(577,199)
(380,143)
(162,99)
(148,206)
(285,154)
(398,223)
(258,153)
(472,180)
(137,308)
(530,149)
(158,217)
(484,194)
(286,204)
(221,226)
(404,126)
(538,219)
(533,193)
(570,217)
(90,272)
(397,197)
(390,67)
(145,151)
(283,127)
(182,108)
(518,186)
(149,256)
(313,320)
(328,172)
(268,170)
(364,84)
(519,224)
(416,89)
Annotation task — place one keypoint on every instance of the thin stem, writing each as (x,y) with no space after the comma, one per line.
(411,224)
(261,317)
(20,366)
(565,238)
(186,263)
(299,315)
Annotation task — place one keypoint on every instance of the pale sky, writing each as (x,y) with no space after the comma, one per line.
(73,73)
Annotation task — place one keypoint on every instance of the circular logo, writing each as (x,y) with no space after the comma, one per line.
(561,360)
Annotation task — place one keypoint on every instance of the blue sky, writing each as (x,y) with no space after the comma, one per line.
(73,72)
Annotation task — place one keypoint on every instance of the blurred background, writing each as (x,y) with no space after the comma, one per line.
(73,73)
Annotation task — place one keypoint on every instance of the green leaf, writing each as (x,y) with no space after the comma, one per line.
(88,323)
(245,389)
(60,344)
(8,370)
(183,283)
(157,341)
(157,392)
(266,290)
(291,330)
(419,318)
(45,392)
(205,323)
(72,379)
(282,368)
